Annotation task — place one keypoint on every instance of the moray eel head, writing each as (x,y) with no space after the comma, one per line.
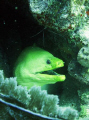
(35,66)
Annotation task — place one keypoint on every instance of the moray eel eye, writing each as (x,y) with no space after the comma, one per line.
(48,62)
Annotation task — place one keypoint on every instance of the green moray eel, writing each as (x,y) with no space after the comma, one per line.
(35,67)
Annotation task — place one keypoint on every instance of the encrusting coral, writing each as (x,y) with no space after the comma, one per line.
(23,101)
(83,56)
(79,72)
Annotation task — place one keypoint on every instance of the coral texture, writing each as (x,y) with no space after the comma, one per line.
(58,15)
(79,72)
(83,56)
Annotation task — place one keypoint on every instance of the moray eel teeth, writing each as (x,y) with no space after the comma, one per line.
(36,66)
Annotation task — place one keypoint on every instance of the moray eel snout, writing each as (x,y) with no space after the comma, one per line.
(36,66)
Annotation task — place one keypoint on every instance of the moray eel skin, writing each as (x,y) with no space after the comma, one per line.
(35,66)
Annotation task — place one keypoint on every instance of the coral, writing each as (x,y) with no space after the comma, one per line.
(85,118)
(84,111)
(81,74)
(68,113)
(83,33)
(40,6)
(26,101)
(78,72)
(84,98)
(57,15)
(41,105)
(53,15)
(83,56)
(9,87)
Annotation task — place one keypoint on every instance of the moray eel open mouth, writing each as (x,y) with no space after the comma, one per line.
(36,66)
(49,72)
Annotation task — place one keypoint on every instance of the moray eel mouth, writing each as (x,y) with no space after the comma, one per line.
(49,72)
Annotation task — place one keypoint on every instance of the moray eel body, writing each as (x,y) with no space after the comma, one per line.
(35,67)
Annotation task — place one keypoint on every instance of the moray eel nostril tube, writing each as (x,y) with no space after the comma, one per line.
(35,66)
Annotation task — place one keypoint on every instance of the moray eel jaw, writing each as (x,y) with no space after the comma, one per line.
(51,75)
(55,78)
(40,79)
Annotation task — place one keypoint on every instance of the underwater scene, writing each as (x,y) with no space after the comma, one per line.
(44,59)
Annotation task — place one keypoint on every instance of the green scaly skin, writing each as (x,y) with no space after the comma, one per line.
(30,65)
